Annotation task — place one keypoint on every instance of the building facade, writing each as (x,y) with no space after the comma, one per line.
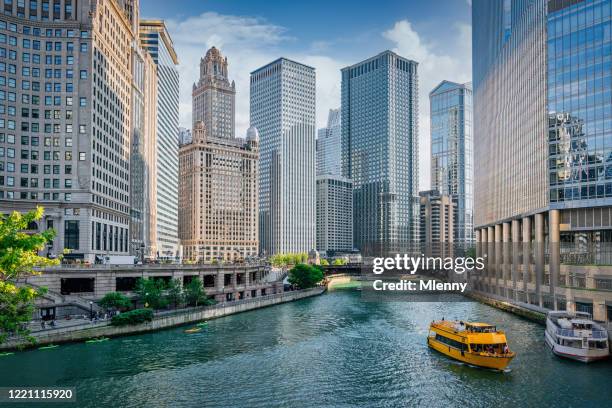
(214,97)
(437,218)
(155,40)
(218,197)
(65,121)
(143,154)
(541,87)
(184,136)
(334,214)
(329,146)
(380,150)
(283,110)
(452,154)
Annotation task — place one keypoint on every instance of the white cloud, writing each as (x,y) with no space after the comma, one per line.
(248,43)
(433,68)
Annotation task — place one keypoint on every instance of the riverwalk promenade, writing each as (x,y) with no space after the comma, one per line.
(83,329)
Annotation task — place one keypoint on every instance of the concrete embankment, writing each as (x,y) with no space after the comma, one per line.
(163,320)
(538,316)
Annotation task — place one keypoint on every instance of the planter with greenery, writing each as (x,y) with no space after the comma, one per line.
(136,316)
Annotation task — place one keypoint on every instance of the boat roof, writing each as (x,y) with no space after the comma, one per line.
(479,324)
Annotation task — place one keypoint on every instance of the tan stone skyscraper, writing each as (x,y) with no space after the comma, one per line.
(214,97)
(218,196)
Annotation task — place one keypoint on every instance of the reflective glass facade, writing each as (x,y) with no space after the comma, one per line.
(380,149)
(580,103)
(452,157)
(329,149)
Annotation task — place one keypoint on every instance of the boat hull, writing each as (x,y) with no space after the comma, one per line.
(475,359)
(576,354)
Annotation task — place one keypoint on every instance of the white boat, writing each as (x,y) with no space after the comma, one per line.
(576,336)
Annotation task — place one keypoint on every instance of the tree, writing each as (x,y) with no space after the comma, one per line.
(194,292)
(175,292)
(115,300)
(19,250)
(324,262)
(150,292)
(16,310)
(339,262)
(305,276)
(18,258)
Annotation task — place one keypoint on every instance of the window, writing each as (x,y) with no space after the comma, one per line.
(82,156)
(83,74)
(71,234)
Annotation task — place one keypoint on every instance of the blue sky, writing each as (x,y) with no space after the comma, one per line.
(326,35)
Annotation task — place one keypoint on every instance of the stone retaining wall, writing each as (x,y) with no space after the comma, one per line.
(165,320)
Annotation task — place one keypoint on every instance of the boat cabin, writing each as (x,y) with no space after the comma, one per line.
(480,328)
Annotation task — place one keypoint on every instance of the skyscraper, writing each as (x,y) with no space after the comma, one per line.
(214,97)
(380,149)
(218,196)
(143,156)
(69,151)
(155,39)
(329,146)
(542,150)
(283,110)
(452,152)
(334,214)
(184,136)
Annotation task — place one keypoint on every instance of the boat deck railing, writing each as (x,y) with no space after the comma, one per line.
(596,334)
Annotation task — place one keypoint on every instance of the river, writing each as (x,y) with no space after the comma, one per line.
(333,350)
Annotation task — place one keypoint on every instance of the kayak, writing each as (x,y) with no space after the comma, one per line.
(203,324)
(97,340)
(193,330)
(50,346)
(7,353)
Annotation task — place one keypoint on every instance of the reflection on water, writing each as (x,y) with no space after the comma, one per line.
(332,350)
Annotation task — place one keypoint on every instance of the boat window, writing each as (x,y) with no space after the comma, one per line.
(452,343)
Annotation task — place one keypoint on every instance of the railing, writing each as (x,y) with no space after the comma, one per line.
(596,334)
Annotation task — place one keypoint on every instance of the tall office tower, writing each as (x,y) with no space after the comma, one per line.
(452,152)
(154,38)
(542,149)
(329,146)
(218,196)
(334,214)
(66,76)
(184,136)
(380,150)
(214,97)
(143,155)
(437,218)
(283,110)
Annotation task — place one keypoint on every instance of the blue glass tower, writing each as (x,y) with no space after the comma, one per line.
(380,149)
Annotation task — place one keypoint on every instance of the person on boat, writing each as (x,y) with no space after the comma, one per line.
(506,350)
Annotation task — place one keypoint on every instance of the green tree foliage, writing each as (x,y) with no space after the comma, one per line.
(135,316)
(290,259)
(305,276)
(175,292)
(115,300)
(150,293)
(339,262)
(18,258)
(19,250)
(194,292)
(16,310)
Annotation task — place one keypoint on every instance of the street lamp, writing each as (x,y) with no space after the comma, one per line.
(90,310)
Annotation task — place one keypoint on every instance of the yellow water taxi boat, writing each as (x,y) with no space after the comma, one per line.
(193,330)
(478,344)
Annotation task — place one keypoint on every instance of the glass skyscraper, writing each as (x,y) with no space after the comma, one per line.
(543,151)
(380,149)
(155,39)
(329,146)
(283,111)
(452,152)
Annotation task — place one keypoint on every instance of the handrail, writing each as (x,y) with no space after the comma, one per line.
(595,333)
